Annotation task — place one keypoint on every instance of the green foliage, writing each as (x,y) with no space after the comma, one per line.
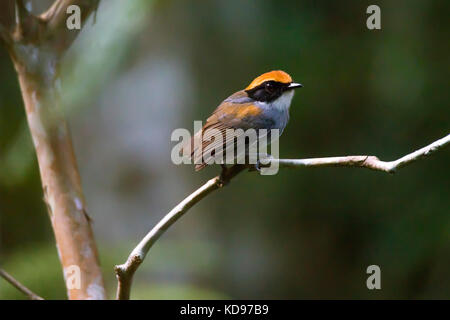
(37,268)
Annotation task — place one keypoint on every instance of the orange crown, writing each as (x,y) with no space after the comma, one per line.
(276,75)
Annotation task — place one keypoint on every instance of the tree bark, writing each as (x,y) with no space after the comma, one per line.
(36,46)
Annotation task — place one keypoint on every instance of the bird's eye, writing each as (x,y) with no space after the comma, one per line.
(269,87)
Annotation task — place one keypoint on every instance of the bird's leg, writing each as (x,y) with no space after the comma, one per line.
(223,173)
(260,159)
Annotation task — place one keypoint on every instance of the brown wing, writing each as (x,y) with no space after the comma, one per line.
(236,112)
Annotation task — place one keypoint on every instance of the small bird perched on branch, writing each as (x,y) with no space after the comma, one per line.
(263,104)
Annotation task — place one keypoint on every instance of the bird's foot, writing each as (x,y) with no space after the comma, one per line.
(261,162)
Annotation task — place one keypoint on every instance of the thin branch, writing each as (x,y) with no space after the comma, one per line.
(56,16)
(30,294)
(369,162)
(125,272)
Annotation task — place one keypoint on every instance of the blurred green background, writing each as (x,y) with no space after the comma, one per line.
(147,67)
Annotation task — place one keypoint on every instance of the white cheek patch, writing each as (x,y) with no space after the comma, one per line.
(284,101)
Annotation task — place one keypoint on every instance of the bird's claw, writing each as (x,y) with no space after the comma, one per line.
(258,165)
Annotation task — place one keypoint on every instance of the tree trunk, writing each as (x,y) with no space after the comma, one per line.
(37,46)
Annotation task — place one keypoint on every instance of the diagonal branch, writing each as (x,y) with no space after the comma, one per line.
(56,17)
(125,272)
(30,294)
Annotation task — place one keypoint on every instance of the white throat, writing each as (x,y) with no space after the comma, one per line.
(282,103)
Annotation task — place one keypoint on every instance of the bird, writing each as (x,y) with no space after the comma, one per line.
(263,104)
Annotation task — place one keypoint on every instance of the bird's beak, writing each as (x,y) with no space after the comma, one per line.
(294,85)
